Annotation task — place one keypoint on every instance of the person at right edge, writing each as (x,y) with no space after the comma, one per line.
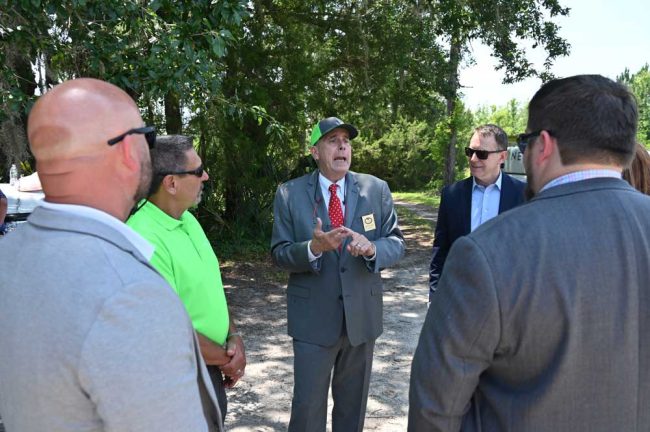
(540,321)
(334,231)
(638,173)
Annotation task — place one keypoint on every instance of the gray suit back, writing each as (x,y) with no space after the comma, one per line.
(541,319)
(92,337)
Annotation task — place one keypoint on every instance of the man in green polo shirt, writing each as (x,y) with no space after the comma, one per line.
(183,255)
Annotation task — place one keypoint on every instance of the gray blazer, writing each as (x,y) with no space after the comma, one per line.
(338,285)
(92,338)
(541,321)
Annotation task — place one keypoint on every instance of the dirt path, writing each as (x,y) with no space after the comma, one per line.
(256,294)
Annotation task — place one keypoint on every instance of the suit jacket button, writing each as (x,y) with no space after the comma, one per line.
(340,297)
(343,269)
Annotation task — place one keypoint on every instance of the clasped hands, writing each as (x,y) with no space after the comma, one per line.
(322,241)
(234,369)
(230,358)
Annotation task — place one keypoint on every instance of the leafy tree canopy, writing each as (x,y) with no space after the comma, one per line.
(639,84)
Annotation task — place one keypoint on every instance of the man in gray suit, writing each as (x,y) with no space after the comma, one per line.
(334,231)
(540,321)
(93,338)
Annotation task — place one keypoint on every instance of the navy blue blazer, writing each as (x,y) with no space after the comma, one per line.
(455,218)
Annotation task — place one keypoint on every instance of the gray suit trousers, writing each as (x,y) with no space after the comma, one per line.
(313,366)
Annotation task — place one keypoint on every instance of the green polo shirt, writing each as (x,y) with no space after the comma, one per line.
(183,255)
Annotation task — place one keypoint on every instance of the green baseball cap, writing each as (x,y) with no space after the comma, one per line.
(328,124)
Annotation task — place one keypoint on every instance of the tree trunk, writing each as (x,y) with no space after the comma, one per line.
(173,118)
(451,95)
(13,131)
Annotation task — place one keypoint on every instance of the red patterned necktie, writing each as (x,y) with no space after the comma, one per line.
(335,210)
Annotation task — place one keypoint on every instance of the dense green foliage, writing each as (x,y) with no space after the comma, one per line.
(639,83)
(161,50)
(511,117)
(504,26)
(248,79)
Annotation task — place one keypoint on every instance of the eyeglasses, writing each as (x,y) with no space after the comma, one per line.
(481,154)
(524,140)
(197,172)
(149,133)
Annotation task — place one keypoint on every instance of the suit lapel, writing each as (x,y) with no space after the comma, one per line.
(466,203)
(351,199)
(316,199)
(504,201)
(320,209)
(508,196)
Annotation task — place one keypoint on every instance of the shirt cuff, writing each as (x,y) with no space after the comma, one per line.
(310,254)
(372,258)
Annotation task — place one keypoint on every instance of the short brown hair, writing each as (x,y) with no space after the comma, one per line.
(499,135)
(593,118)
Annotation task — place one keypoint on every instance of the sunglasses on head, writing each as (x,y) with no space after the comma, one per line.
(481,154)
(149,133)
(196,172)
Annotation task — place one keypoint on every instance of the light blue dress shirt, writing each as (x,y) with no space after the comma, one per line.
(485,202)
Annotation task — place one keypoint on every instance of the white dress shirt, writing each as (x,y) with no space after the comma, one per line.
(325,183)
(325,191)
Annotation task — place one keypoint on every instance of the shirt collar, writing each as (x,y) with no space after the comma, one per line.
(325,182)
(497,183)
(133,237)
(158,215)
(581,175)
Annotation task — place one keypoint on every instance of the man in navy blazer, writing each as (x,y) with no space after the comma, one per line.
(468,203)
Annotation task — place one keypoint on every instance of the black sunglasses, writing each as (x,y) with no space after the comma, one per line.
(524,140)
(481,154)
(149,133)
(197,172)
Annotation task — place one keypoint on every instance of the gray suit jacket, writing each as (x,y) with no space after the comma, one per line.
(92,338)
(339,287)
(541,321)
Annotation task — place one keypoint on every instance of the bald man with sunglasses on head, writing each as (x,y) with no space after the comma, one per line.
(467,204)
(93,338)
(184,257)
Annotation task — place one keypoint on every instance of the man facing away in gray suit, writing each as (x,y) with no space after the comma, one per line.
(93,338)
(540,321)
(334,231)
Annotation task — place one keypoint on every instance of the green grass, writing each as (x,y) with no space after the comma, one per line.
(408,218)
(422,197)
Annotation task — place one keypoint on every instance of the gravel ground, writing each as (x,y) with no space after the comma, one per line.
(261,401)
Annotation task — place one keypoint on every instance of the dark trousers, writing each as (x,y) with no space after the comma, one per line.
(313,367)
(217,382)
